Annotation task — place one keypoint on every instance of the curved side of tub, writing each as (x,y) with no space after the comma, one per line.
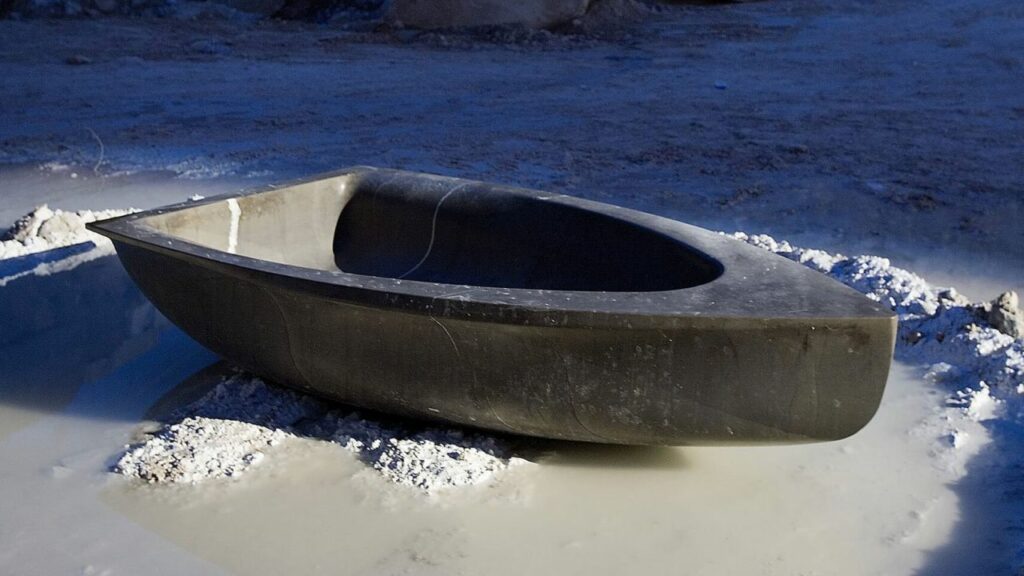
(682,380)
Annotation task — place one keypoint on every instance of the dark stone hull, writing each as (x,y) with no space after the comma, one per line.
(752,348)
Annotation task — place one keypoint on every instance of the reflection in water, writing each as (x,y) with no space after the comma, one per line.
(60,331)
(582,454)
(82,355)
(188,391)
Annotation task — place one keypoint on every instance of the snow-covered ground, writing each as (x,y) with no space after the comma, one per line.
(882,127)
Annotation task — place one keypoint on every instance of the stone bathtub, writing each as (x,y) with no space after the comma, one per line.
(513,310)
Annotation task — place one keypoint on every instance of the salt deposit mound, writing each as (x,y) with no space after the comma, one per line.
(242,420)
(45,229)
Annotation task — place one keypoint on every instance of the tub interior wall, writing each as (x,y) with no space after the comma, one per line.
(433,230)
(293,225)
(482,235)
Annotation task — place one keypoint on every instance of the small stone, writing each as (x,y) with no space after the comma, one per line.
(958,438)
(1005,315)
(107,6)
(78,60)
(721,85)
(438,14)
(950,297)
(209,47)
(61,472)
(61,225)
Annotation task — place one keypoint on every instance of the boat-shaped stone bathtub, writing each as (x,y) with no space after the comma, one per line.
(513,310)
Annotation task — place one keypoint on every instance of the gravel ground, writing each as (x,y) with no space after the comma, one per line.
(870,126)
